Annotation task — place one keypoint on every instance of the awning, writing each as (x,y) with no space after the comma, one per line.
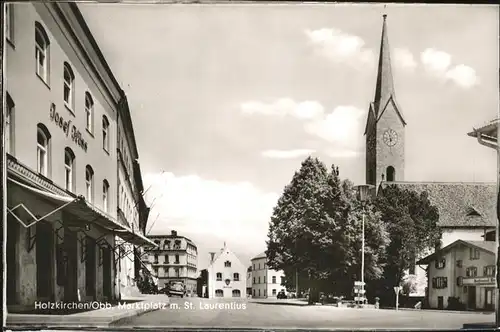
(80,208)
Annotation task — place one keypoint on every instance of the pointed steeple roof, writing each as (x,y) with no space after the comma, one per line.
(384,90)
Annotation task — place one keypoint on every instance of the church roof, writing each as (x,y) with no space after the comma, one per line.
(487,246)
(488,132)
(460,204)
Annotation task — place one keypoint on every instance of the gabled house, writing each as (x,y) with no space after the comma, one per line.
(226,275)
(463,271)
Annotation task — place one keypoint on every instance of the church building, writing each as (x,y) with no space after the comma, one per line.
(466,210)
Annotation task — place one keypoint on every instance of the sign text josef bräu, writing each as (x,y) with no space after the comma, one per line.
(65,125)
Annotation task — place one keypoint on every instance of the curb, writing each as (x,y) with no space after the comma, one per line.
(443,311)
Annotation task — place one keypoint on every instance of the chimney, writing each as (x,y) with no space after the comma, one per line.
(212,255)
(174,233)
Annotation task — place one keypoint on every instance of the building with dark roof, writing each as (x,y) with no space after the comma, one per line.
(462,272)
(466,210)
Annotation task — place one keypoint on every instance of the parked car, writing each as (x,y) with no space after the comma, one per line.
(177,289)
(165,290)
(281,295)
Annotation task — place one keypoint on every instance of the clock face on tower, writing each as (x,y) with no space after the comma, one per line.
(390,137)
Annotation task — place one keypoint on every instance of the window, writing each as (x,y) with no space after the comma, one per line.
(439,282)
(227,264)
(9,22)
(391,174)
(89,183)
(236,276)
(156,259)
(219,276)
(219,293)
(41,52)
(274,279)
(460,281)
(259,280)
(9,123)
(166,259)
(474,253)
(155,269)
(69,167)
(89,112)
(105,133)
(440,263)
(177,259)
(236,293)
(274,292)
(105,195)
(253,291)
(177,272)
(471,271)
(264,279)
(489,271)
(68,90)
(254,280)
(459,263)
(43,139)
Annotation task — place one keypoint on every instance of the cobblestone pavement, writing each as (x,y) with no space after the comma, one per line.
(195,312)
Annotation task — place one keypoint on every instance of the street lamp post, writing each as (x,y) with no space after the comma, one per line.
(364,196)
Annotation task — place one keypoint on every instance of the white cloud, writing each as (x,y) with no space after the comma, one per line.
(340,46)
(234,211)
(342,153)
(343,126)
(403,58)
(284,106)
(435,61)
(438,63)
(287,154)
(463,75)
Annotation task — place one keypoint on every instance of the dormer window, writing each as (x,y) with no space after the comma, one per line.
(227,264)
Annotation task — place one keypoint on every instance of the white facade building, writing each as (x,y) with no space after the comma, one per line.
(266,282)
(226,275)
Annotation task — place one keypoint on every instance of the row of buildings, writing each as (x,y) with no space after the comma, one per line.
(76,216)
(463,269)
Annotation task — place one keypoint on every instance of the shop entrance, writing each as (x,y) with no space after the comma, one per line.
(471,297)
(90,268)
(106,269)
(488,301)
(44,260)
(71,284)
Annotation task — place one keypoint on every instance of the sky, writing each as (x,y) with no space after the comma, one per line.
(227,100)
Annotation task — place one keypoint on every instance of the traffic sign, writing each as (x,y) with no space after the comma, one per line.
(397,289)
(359,283)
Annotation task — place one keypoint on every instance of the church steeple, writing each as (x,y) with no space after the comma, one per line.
(384,90)
(385,84)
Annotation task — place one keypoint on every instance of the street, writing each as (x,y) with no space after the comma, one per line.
(196,312)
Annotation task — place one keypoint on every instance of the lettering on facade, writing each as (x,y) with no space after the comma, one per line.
(476,281)
(76,136)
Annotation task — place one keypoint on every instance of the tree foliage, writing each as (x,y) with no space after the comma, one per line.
(411,221)
(316,227)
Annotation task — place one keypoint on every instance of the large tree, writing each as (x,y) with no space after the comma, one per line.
(411,221)
(316,230)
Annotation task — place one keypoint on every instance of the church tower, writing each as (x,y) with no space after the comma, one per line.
(385,125)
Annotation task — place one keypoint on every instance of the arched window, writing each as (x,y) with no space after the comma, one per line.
(219,276)
(219,293)
(391,174)
(89,183)
(236,293)
(9,125)
(42,52)
(227,264)
(105,195)
(42,156)
(236,276)
(69,168)
(274,292)
(68,89)
(105,133)
(89,112)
